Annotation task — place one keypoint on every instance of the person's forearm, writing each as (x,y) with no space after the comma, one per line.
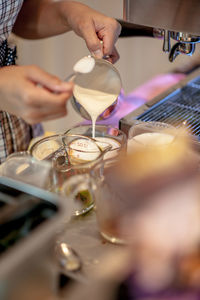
(41,18)
(45,18)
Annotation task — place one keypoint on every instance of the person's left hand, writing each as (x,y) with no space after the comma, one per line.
(94,27)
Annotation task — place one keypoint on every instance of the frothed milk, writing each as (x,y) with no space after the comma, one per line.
(97,90)
(149,139)
(94,102)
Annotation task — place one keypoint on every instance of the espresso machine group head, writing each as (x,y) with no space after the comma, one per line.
(167,19)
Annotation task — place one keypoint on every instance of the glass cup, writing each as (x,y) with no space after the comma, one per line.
(104,136)
(143,134)
(108,206)
(23,167)
(70,155)
(139,186)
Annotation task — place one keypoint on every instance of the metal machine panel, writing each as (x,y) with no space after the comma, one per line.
(174,15)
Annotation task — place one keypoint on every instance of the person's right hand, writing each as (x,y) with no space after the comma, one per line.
(32,94)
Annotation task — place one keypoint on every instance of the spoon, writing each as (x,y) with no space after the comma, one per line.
(83,66)
(67,257)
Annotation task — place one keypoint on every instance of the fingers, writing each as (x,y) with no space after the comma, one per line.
(93,27)
(44,98)
(34,118)
(93,43)
(21,96)
(47,80)
(41,105)
(109,34)
(105,46)
(114,57)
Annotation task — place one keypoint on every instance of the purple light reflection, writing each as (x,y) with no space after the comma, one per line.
(144,93)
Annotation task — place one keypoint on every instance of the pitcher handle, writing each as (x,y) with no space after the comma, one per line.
(80,188)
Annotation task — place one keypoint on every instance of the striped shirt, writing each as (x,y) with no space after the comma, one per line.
(15,133)
(9,10)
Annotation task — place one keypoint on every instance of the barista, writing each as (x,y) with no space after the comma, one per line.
(28,94)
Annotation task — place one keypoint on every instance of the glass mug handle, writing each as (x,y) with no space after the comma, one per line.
(80,188)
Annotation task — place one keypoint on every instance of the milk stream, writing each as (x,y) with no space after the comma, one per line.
(94,102)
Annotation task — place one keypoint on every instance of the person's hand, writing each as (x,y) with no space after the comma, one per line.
(93,27)
(33,94)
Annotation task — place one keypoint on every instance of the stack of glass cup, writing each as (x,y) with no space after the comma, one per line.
(76,153)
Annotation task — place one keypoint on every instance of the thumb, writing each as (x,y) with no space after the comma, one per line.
(51,82)
(92,41)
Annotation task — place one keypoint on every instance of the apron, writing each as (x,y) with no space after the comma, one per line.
(15,133)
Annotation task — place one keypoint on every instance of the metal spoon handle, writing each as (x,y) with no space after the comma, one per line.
(70,77)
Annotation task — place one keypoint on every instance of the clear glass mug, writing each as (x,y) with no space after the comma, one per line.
(152,183)
(143,134)
(70,155)
(104,135)
(21,166)
(108,206)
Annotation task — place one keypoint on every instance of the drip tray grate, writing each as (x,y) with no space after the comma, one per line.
(183,105)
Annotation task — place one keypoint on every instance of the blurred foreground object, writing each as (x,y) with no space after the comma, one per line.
(150,200)
(30,219)
(160,205)
(23,167)
(150,168)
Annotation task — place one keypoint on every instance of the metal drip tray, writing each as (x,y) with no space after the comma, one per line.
(176,107)
(181,106)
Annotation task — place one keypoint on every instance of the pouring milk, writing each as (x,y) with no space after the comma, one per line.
(98,89)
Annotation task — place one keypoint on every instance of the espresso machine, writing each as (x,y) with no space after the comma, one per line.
(177,23)
(173,19)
